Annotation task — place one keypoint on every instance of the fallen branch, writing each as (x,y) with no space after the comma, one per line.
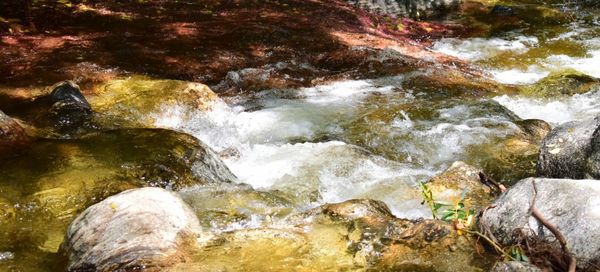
(535,212)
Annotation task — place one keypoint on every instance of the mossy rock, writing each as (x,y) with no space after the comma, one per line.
(139,101)
(461,182)
(565,82)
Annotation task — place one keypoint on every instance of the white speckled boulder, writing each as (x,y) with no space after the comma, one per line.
(573,206)
(570,151)
(148,228)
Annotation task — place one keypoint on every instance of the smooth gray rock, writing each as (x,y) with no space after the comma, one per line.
(148,228)
(573,206)
(513,266)
(567,151)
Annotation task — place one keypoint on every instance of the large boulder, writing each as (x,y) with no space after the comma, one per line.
(147,228)
(570,205)
(567,151)
(12,136)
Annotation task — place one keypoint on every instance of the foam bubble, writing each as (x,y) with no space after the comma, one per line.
(555,111)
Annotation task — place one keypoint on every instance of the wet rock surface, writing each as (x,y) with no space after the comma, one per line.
(149,229)
(570,205)
(54,180)
(462,181)
(567,151)
(68,107)
(12,136)
(139,101)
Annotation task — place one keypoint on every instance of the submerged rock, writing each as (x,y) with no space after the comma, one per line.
(357,234)
(567,151)
(12,136)
(570,205)
(142,102)
(141,229)
(514,157)
(221,205)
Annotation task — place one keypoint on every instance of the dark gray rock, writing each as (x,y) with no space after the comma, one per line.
(147,229)
(513,266)
(408,8)
(571,205)
(593,161)
(68,107)
(567,151)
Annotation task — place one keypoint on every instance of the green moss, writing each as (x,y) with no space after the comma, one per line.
(565,82)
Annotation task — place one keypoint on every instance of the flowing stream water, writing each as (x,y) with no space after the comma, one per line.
(378,138)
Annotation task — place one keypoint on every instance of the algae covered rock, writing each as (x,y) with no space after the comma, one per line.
(566,82)
(147,228)
(140,101)
(567,151)
(12,136)
(461,182)
(570,205)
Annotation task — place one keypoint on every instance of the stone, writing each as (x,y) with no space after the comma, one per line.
(148,228)
(513,266)
(566,82)
(567,151)
(12,136)
(570,205)
(461,181)
(143,102)
(593,161)
(408,8)
(68,107)
(536,129)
